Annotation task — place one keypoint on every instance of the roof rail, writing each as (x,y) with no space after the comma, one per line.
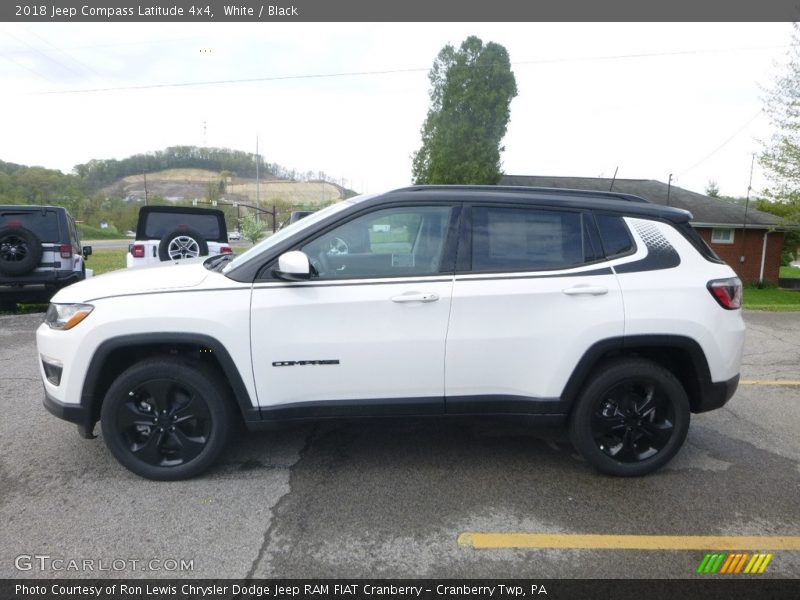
(521,189)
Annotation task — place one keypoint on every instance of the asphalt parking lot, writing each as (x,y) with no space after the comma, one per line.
(390,499)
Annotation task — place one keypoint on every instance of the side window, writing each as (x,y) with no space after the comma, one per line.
(392,242)
(73,235)
(523,239)
(615,235)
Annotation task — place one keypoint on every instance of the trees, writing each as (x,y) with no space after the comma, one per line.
(712,189)
(471,90)
(252,229)
(781,155)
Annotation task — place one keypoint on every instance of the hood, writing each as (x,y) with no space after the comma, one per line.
(169,276)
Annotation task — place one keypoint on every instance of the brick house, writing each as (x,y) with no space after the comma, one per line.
(750,244)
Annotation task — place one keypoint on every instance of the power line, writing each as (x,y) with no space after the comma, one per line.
(723,144)
(183,84)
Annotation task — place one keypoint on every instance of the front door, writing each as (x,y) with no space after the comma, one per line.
(367,334)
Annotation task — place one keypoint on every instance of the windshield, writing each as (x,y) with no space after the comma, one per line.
(287,232)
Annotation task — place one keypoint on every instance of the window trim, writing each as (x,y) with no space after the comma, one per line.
(446,266)
(727,242)
(464,263)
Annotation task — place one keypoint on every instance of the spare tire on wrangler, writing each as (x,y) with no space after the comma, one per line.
(182,243)
(20,251)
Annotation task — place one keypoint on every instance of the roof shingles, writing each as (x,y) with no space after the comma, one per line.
(705,210)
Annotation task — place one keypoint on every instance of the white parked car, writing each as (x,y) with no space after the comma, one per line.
(170,233)
(594,309)
(234,235)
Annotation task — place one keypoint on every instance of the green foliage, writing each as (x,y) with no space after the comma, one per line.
(88,232)
(252,230)
(790,213)
(104,260)
(712,189)
(37,185)
(471,91)
(771,299)
(789,273)
(781,155)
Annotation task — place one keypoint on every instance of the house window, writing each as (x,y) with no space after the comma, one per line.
(722,236)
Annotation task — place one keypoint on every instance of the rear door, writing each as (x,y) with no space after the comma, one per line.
(532,293)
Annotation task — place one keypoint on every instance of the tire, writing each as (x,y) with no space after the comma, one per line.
(20,251)
(8,305)
(182,243)
(187,436)
(631,418)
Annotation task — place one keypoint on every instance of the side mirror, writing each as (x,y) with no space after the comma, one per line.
(87,251)
(293,266)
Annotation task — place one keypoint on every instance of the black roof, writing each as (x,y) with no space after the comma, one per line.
(187,210)
(706,211)
(617,202)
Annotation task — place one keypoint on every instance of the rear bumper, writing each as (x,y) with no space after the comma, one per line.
(716,395)
(36,287)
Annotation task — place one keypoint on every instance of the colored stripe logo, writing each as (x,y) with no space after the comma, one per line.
(734,563)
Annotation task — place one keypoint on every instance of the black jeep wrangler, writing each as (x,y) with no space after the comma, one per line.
(40,253)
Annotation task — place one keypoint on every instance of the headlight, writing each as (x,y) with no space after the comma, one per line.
(66,316)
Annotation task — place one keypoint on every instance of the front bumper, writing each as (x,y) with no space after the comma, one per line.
(74,413)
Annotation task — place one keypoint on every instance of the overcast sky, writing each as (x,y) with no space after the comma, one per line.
(349,99)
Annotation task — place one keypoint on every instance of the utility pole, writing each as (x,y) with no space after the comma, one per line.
(144,174)
(669,187)
(614,178)
(746,206)
(258,219)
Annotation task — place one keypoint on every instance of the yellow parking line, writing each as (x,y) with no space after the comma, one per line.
(628,542)
(769,382)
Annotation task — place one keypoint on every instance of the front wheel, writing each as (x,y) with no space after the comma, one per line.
(631,418)
(166,419)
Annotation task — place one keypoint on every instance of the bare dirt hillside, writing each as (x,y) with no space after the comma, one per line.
(188,184)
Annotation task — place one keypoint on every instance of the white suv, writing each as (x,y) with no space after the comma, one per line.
(598,310)
(170,233)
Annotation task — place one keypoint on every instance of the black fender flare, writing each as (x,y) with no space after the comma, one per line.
(249,410)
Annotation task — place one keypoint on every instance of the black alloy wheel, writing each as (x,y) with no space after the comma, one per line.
(20,251)
(632,421)
(166,419)
(631,418)
(164,423)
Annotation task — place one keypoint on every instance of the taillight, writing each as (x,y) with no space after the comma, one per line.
(66,251)
(225,250)
(137,251)
(728,292)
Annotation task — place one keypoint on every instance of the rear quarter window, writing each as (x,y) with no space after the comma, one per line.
(614,234)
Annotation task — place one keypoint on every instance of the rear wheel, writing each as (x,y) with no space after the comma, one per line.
(166,419)
(631,418)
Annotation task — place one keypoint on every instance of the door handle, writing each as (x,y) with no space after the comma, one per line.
(416,297)
(585,290)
